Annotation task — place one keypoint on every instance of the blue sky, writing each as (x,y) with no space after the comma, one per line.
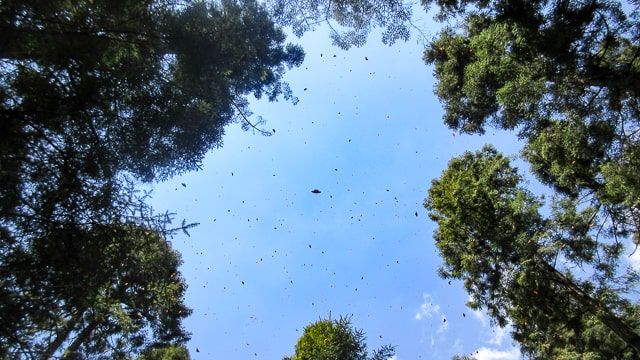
(269,256)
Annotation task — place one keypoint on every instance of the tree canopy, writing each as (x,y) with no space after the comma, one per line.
(350,21)
(566,76)
(141,86)
(336,339)
(519,265)
(96,96)
(108,290)
(526,63)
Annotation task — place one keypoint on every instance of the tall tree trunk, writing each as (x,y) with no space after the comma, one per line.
(62,335)
(80,339)
(602,312)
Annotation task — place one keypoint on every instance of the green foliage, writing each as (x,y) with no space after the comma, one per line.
(94,97)
(485,222)
(524,63)
(166,353)
(328,339)
(147,85)
(349,21)
(101,290)
(568,156)
(463,357)
(590,340)
(492,236)
(566,76)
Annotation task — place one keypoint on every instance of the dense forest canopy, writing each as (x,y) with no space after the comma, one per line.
(96,96)
(147,86)
(566,76)
(557,281)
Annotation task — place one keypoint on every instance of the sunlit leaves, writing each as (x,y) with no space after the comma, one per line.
(481,75)
(520,64)
(543,72)
(568,155)
(492,236)
(336,339)
(484,221)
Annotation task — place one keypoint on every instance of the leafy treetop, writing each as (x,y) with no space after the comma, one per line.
(329,339)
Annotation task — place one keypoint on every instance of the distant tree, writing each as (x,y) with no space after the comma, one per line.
(521,267)
(349,21)
(328,339)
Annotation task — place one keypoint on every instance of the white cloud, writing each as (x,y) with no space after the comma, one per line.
(634,259)
(493,354)
(427,309)
(457,346)
(430,313)
(499,334)
(480,315)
